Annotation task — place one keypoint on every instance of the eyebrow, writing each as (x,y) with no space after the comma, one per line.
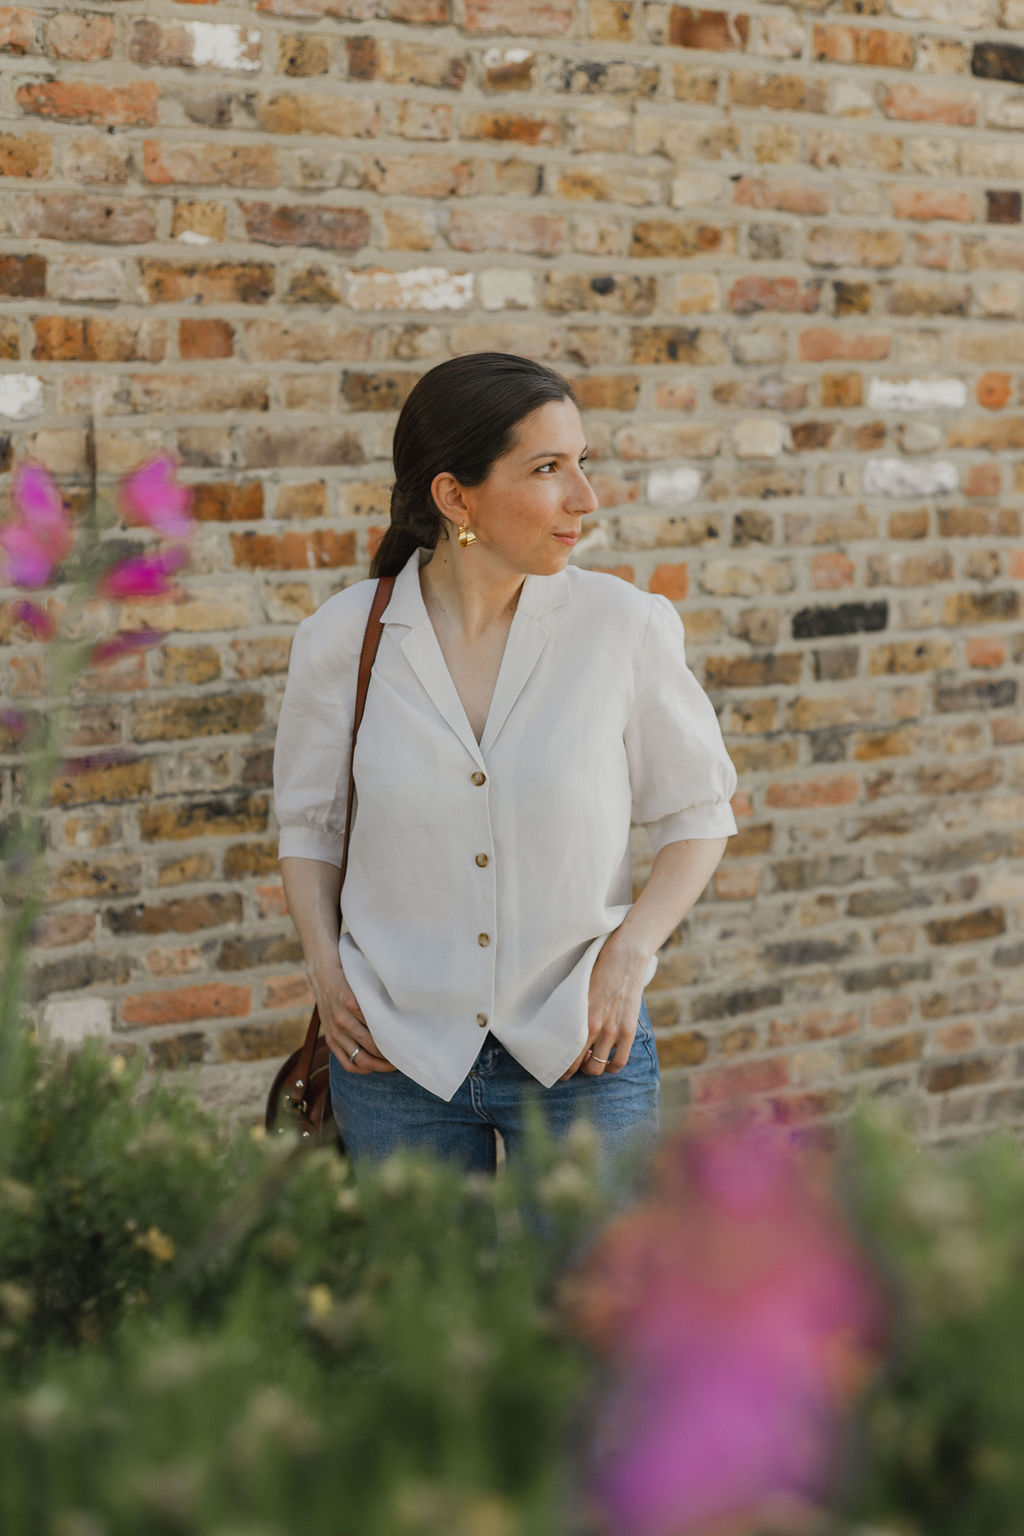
(552,455)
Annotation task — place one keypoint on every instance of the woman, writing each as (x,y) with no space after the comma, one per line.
(521,714)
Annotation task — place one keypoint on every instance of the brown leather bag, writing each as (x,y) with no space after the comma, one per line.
(300,1095)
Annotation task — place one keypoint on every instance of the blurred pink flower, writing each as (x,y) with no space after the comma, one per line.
(14,721)
(121,645)
(150,495)
(39,541)
(739,1319)
(38,621)
(142,575)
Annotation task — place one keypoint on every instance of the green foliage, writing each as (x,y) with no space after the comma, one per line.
(204,1332)
(943,1428)
(211,1333)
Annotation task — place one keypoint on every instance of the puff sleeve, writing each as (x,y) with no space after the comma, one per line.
(681,777)
(311,751)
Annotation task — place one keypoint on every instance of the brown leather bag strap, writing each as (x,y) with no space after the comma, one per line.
(371,640)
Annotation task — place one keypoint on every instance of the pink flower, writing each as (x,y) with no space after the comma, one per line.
(122,645)
(13,721)
(739,1319)
(142,575)
(149,495)
(37,620)
(40,540)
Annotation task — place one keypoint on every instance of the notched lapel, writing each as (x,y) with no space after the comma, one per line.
(526,640)
(423,653)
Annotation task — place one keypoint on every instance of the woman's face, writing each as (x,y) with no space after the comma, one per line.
(527,514)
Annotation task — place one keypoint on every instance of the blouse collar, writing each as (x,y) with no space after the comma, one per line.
(406,606)
(526,641)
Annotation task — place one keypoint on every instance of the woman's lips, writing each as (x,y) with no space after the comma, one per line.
(568,538)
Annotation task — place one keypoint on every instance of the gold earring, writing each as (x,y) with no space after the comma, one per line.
(466,535)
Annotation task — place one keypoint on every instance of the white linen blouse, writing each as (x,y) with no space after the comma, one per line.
(483,878)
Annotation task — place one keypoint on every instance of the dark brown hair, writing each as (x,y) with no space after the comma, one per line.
(460,417)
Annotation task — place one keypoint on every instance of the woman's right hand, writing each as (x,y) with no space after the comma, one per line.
(342,1021)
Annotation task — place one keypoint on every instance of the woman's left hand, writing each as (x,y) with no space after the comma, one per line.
(616,991)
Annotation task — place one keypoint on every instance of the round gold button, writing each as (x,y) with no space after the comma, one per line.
(482,860)
(483,939)
(481,1019)
(479,778)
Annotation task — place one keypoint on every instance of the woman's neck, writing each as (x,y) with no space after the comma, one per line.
(467,590)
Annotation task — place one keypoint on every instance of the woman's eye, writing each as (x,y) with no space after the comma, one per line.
(553,465)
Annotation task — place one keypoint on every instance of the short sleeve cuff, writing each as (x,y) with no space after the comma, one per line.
(308,843)
(715,819)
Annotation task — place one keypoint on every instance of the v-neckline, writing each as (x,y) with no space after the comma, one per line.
(502,665)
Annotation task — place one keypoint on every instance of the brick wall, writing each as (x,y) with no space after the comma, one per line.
(778,250)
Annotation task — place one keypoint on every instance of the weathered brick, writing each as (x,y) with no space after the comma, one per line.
(126,106)
(75,35)
(210,715)
(78,217)
(26,155)
(337,229)
(185,915)
(721,30)
(209,818)
(168,282)
(17,30)
(215,1000)
(294,551)
(259,1042)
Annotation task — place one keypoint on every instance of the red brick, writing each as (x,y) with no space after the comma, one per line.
(99,339)
(17,29)
(983,480)
(739,1079)
(722,31)
(671,581)
(913,105)
(994,389)
(205,338)
(831,569)
(931,203)
(821,344)
(332,228)
(228,501)
(787,196)
(317,550)
(863,45)
(812,794)
(534,18)
(225,282)
(215,1000)
(783,294)
(983,652)
(86,101)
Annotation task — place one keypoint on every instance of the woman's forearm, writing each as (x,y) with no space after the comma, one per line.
(312,889)
(679,874)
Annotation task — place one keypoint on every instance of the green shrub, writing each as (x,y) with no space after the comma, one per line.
(205,1332)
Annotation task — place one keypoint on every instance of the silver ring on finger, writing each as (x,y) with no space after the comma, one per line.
(355,1053)
(604,1060)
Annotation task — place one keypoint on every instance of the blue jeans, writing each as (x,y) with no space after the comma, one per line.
(381,1111)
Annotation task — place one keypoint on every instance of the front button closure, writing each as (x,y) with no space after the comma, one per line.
(483,939)
(479,778)
(482,860)
(481,1019)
